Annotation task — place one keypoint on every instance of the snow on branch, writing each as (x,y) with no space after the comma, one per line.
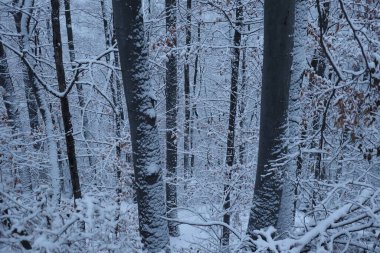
(25,55)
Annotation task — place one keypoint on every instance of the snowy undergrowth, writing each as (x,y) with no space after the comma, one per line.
(41,226)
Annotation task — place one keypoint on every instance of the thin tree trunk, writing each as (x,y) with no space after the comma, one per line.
(243,104)
(230,156)
(129,26)
(278,44)
(171,88)
(194,113)
(319,65)
(65,109)
(186,139)
(82,103)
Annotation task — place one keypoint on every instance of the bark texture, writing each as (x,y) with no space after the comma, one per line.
(171,88)
(129,27)
(186,140)
(293,169)
(278,44)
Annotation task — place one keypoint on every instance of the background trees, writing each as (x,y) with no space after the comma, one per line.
(333,100)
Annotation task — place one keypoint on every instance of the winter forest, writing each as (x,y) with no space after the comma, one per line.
(181,126)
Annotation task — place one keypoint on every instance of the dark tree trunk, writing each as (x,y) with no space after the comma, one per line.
(129,27)
(194,113)
(186,140)
(319,65)
(242,106)
(230,156)
(82,103)
(278,45)
(65,108)
(171,88)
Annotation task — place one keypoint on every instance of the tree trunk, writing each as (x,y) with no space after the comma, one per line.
(65,109)
(171,115)
(82,103)
(243,104)
(278,44)
(186,138)
(319,65)
(287,209)
(230,156)
(129,26)
(194,113)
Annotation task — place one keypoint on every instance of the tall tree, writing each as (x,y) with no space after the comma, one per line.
(65,108)
(79,86)
(278,45)
(171,88)
(295,125)
(319,64)
(129,27)
(230,156)
(186,138)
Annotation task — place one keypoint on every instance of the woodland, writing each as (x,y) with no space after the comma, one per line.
(181,126)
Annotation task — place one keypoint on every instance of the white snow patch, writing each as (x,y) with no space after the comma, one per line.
(152,169)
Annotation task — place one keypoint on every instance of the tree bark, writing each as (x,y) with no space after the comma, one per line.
(186,138)
(82,103)
(278,44)
(293,169)
(319,65)
(171,88)
(230,156)
(194,113)
(65,108)
(129,26)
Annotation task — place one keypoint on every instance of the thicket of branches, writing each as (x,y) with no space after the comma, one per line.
(331,167)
